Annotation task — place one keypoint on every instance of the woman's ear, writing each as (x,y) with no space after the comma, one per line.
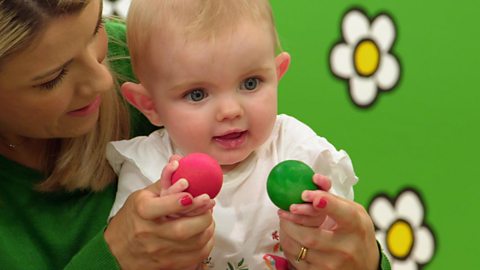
(282,62)
(140,98)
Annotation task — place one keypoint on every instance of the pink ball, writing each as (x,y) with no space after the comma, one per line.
(202,172)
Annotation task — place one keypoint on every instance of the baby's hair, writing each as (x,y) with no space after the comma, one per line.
(194,19)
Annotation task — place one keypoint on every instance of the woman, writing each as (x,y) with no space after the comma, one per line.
(58,109)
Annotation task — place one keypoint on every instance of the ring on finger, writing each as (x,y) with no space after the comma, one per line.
(302,254)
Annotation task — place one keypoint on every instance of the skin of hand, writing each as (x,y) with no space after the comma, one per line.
(160,227)
(338,233)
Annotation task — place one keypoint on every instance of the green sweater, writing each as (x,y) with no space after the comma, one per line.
(51,230)
(58,230)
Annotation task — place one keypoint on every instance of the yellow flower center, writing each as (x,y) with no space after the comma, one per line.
(366,58)
(400,239)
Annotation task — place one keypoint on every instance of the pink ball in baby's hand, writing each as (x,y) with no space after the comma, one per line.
(203,173)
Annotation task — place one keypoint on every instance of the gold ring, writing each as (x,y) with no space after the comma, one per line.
(302,254)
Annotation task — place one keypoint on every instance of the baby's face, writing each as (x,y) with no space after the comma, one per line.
(217,97)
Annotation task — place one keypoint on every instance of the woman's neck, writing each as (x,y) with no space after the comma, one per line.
(29,153)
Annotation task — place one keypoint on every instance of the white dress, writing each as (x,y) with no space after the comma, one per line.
(246,234)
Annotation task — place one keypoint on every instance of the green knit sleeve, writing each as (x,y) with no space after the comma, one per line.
(118,55)
(119,62)
(94,256)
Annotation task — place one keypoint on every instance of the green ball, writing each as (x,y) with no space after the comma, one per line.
(286,182)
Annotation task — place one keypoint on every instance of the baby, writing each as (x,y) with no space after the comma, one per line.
(208,74)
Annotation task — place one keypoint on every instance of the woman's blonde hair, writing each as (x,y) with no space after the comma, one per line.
(70,163)
(203,19)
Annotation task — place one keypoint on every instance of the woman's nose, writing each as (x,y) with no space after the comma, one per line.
(97,77)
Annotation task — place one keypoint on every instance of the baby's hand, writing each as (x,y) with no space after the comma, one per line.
(310,214)
(198,205)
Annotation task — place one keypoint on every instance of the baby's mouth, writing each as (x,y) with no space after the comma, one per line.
(230,136)
(231,140)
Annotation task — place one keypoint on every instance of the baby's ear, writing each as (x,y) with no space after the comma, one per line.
(282,62)
(140,98)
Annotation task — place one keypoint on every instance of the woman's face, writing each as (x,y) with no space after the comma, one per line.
(53,89)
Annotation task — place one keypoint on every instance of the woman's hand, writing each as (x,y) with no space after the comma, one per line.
(160,227)
(338,233)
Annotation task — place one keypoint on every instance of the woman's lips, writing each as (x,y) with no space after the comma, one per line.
(87,110)
(231,140)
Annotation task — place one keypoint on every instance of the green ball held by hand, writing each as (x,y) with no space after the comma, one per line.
(286,182)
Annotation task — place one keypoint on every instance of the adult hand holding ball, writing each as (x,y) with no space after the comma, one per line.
(286,182)
(203,173)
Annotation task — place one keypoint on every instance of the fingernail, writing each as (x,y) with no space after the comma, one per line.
(204,197)
(306,195)
(183,183)
(186,200)
(322,203)
(174,164)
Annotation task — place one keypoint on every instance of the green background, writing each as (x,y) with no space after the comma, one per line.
(422,134)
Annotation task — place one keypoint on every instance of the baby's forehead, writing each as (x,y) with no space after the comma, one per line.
(210,20)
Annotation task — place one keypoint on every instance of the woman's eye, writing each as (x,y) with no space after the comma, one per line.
(52,83)
(196,95)
(250,84)
(100,25)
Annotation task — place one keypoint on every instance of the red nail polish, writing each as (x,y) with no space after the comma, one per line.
(322,203)
(186,200)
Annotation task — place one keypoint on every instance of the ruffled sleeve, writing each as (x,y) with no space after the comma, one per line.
(300,142)
(138,163)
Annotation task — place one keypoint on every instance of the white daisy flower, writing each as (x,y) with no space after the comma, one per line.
(363,57)
(407,240)
(118,7)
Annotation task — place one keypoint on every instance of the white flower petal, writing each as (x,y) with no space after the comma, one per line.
(388,72)
(404,265)
(341,61)
(355,26)
(381,237)
(424,245)
(383,32)
(382,213)
(410,208)
(363,90)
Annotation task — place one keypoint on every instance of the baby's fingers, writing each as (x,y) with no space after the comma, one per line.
(304,220)
(177,187)
(201,209)
(165,179)
(322,182)
(200,205)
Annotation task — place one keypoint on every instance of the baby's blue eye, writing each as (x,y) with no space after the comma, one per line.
(196,95)
(250,83)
